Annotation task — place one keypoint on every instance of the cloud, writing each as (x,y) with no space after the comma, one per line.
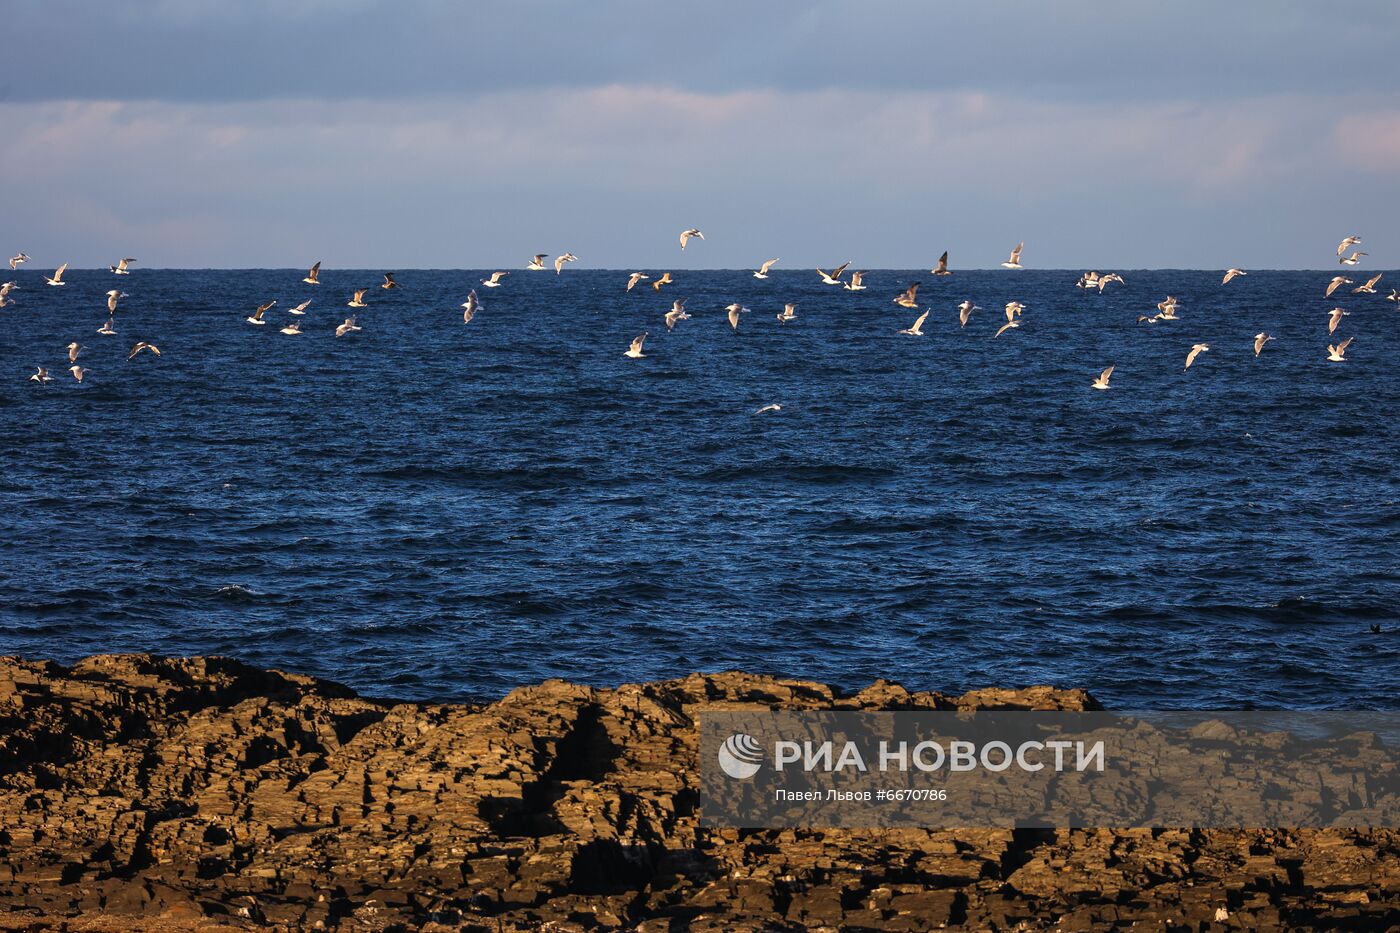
(816,176)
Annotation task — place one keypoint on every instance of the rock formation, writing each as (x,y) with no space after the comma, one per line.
(160,794)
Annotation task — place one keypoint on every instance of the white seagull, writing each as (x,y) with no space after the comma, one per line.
(677,313)
(735,310)
(692,232)
(18,260)
(908,297)
(314,276)
(74,349)
(1196,350)
(789,313)
(762,272)
(917,328)
(1013,310)
(634,278)
(359,300)
(292,329)
(470,307)
(1370,287)
(57,276)
(1102,381)
(346,327)
(1349,241)
(1334,317)
(1005,327)
(635,350)
(965,312)
(537,264)
(835,277)
(1336,283)
(142,345)
(389,281)
(772,407)
(854,284)
(560,260)
(1353,259)
(41,375)
(1337,354)
(301,308)
(78,372)
(942,268)
(1260,339)
(113,297)
(1015,261)
(1230,274)
(108,329)
(495,280)
(257,316)
(120,267)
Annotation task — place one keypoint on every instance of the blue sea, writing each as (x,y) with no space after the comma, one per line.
(425,509)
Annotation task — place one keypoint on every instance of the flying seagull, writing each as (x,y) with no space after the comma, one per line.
(359,300)
(495,280)
(18,260)
(560,260)
(1230,274)
(965,312)
(292,329)
(835,277)
(257,317)
(917,328)
(677,313)
(74,349)
(1005,327)
(314,276)
(113,297)
(906,298)
(635,350)
(78,372)
(1102,381)
(854,284)
(346,327)
(692,232)
(762,272)
(120,267)
(942,265)
(1349,241)
(772,407)
(41,375)
(1353,259)
(789,313)
(537,264)
(1013,310)
(664,280)
(735,310)
(470,307)
(1334,317)
(108,329)
(1337,354)
(1015,261)
(1370,287)
(1260,339)
(1336,283)
(389,281)
(57,276)
(1196,350)
(301,308)
(142,345)
(634,278)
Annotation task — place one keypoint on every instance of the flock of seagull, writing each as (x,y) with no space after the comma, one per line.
(908,298)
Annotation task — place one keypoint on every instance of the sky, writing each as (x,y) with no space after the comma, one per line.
(473,134)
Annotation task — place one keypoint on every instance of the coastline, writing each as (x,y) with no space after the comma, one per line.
(139,792)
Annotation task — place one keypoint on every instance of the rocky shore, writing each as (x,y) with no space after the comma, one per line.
(144,793)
